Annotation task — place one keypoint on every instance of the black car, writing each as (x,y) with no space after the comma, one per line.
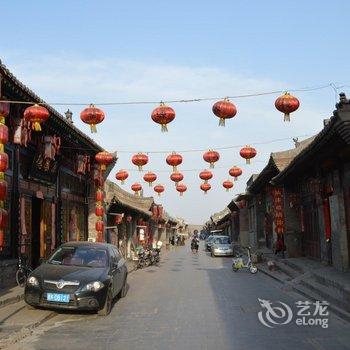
(79,275)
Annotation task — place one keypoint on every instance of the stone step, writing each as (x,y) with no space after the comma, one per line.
(298,269)
(314,296)
(292,273)
(330,294)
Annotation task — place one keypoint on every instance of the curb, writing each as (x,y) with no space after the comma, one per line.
(308,294)
(11,300)
(24,332)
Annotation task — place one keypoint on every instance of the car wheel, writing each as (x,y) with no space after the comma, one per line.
(124,289)
(108,304)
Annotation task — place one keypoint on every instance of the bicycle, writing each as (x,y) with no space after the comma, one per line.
(24,270)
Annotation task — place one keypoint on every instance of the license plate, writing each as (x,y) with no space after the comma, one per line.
(58,298)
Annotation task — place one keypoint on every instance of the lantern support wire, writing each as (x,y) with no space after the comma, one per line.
(200,149)
(304,89)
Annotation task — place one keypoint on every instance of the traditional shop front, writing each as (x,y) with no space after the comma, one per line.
(317,181)
(48,185)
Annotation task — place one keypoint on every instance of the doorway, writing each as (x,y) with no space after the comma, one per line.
(36,230)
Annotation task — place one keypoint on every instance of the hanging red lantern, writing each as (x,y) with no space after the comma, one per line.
(181,188)
(3,218)
(99,226)
(118,219)
(224,110)
(211,157)
(92,116)
(3,190)
(4,136)
(247,153)
(287,104)
(4,111)
(104,159)
(205,187)
(99,196)
(235,172)
(122,175)
(4,161)
(227,184)
(279,230)
(176,177)
(136,187)
(99,211)
(36,115)
(163,115)
(205,175)
(139,160)
(174,160)
(150,178)
(159,189)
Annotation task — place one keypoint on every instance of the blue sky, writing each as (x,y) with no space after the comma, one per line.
(115,51)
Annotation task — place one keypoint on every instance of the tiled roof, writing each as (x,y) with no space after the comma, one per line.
(116,194)
(35,98)
(216,217)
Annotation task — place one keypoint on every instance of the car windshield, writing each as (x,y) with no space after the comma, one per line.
(222,240)
(79,256)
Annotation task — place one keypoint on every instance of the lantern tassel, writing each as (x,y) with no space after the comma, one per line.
(227,189)
(236,178)
(205,181)
(164,128)
(158,194)
(2,175)
(211,165)
(247,161)
(205,192)
(36,126)
(174,168)
(181,194)
(1,147)
(222,122)
(287,117)
(122,182)
(150,184)
(93,128)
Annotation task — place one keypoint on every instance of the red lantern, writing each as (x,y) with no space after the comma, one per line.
(150,178)
(205,187)
(235,172)
(181,188)
(4,136)
(104,159)
(211,157)
(3,190)
(99,211)
(287,104)
(122,175)
(4,161)
(3,218)
(205,175)
(242,204)
(139,160)
(99,196)
(227,184)
(92,116)
(4,111)
(118,219)
(279,230)
(136,187)
(224,110)
(247,153)
(174,160)
(99,226)
(163,115)
(36,115)
(176,177)
(159,189)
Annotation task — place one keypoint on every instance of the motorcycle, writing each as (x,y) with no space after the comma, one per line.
(142,259)
(194,246)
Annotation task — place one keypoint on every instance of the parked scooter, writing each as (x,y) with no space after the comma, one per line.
(238,263)
(142,259)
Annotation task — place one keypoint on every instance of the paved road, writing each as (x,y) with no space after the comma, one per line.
(189,302)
